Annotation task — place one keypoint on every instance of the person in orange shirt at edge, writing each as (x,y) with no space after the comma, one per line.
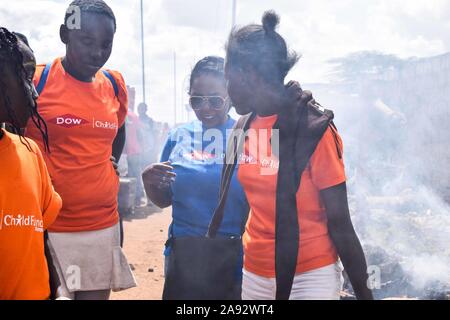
(133,146)
(257,62)
(28,202)
(85,110)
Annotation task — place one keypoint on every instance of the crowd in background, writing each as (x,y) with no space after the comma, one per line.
(145,138)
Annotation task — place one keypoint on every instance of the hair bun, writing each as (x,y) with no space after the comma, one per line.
(270,20)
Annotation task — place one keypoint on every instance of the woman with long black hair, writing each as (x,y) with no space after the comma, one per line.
(28,202)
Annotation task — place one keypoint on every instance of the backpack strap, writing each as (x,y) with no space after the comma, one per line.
(45,73)
(43,79)
(113,82)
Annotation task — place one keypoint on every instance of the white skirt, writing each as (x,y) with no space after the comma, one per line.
(90,261)
(319,284)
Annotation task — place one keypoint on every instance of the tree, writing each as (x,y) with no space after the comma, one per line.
(364,64)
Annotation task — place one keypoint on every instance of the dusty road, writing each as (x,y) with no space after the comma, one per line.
(145,235)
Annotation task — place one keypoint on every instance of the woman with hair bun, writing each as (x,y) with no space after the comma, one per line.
(299,228)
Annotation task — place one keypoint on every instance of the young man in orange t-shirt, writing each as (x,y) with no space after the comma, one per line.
(28,202)
(85,109)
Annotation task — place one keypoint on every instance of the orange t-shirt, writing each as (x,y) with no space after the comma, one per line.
(83,119)
(28,205)
(325,169)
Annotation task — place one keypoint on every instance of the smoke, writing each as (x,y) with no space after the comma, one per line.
(396,155)
(412,227)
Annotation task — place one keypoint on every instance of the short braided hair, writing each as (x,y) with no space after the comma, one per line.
(91,6)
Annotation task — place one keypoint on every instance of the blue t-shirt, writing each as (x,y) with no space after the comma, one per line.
(196,153)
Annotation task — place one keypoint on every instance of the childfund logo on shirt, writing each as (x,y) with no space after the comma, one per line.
(20,221)
(104,124)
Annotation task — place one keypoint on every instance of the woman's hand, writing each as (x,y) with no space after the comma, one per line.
(159,175)
(302,97)
(157,178)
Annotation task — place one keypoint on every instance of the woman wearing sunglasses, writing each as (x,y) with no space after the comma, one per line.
(188,174)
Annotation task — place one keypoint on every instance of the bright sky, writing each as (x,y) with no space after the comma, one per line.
(318,29)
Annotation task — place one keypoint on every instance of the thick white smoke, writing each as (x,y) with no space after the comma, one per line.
(393,121)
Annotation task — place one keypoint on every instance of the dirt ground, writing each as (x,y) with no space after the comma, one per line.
(145,234)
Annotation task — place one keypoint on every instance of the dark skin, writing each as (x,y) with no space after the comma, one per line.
(88,48)
(244,88)
(158,176)
(20,89)
(251,93)
(117,147)
(87,51)
(22,94)
(142,109)
(208,85)
(346,241)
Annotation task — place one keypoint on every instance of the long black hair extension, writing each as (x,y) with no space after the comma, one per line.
(11,55)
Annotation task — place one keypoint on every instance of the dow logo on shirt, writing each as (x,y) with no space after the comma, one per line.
(68,121)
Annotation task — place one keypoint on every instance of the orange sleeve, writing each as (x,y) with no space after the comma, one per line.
(327,163)
(51,201)
(123,96)
(37,74)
